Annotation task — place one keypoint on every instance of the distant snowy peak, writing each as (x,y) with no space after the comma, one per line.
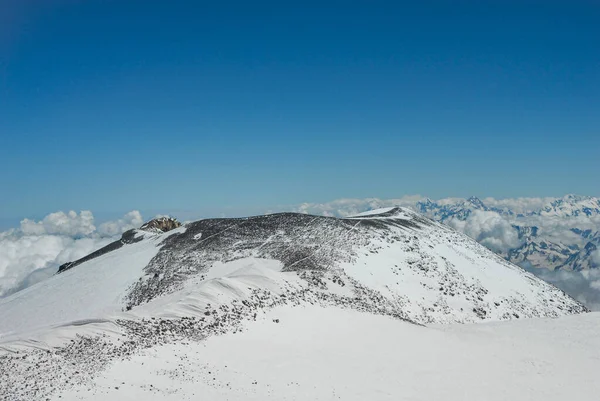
(567,206)
(443,211)
(588,234)
(477,203)
(456,208)
(572,206)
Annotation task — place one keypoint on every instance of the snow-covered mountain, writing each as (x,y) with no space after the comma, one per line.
(572,206)
(567,206)
(155,289)
(562,234)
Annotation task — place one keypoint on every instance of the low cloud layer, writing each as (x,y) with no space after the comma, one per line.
(489,229)
(68,224)
(34,251)
(584,285)
(596,256)
(131,220)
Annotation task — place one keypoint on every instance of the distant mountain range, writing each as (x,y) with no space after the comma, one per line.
(562,234)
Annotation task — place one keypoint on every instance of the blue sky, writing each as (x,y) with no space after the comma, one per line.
(120,105)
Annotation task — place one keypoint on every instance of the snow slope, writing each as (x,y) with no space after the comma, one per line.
(429,272)
(93,291)
(315,353)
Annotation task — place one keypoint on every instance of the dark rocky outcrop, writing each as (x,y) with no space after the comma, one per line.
(161,225)
(128,237)
(158,225)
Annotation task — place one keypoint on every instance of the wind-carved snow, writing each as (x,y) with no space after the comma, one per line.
(316,353)
(213,276)
(220,269)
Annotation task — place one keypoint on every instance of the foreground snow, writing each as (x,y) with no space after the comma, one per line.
(315,353)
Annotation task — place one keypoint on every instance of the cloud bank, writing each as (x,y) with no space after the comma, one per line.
(596,256)
(131,220)
(60,223)
(489,229)
(583,285)
(34,251)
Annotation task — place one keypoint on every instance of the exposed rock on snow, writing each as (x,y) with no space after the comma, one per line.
(161,225)
(128,237)
(214,276)
(432,273)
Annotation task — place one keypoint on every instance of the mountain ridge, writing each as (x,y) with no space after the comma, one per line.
(409,250)
(215,276)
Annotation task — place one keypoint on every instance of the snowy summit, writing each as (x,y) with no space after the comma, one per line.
(261,307)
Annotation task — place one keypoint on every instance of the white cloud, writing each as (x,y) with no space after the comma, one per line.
(131,220)
(558,229)
(35,250)
(596,257)
(60,223)
(584,285)
(489,229)
(20,256)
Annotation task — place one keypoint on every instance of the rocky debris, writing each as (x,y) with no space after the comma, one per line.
(33,374)
(305,243)
(161,225)
(309,244)
(299,241)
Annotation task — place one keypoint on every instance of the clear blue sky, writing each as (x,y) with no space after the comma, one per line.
(119,105)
